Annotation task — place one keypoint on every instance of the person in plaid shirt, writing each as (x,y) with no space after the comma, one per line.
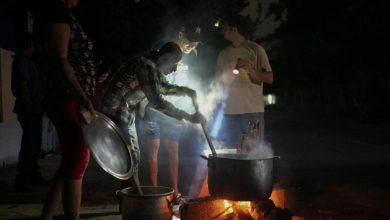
(143,79)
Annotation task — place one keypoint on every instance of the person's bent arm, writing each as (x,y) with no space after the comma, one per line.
(150,85)
(259,77)
(261,73)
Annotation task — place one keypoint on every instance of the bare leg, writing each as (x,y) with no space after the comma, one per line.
(173,155)
(71,194)
(153,162)
(53,198)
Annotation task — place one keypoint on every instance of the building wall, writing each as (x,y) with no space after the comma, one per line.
(10,136)
(10,130)
(7,100)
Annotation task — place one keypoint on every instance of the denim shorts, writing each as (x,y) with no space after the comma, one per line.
(158,125)
(234,126)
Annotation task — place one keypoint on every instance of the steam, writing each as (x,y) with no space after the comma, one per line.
(216,95)
(259,149)
(207,100)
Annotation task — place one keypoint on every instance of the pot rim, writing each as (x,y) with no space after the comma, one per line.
(122,192)
(221,156)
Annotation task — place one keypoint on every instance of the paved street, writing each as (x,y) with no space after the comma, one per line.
(336,167)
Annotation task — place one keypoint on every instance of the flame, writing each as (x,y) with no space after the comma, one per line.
(245,204)
(227,206)
(230,206)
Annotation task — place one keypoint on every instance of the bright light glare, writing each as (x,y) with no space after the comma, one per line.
(236,71)
(270,99)
(181,67)
(216,24)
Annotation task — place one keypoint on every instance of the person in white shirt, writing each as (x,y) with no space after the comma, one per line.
(242,68)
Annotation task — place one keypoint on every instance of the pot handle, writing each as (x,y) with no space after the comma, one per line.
(118,194)
(170,204)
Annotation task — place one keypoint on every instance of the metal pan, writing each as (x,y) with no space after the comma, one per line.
(109,147)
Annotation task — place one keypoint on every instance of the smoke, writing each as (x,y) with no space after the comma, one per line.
(208,96)
(268,21)
(216,95)
(259,149)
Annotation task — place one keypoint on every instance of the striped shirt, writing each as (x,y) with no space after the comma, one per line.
(136,81)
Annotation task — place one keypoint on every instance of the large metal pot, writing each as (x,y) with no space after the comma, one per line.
(154,204)
(236,177)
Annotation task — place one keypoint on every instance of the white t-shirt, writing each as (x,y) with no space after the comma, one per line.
(242,96)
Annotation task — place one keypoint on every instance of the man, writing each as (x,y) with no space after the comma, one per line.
(243,88)
(27,87)
(142,79)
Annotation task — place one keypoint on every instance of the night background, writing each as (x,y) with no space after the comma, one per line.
(330,59)
(330,56)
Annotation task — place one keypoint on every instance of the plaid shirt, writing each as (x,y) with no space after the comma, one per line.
(138,80)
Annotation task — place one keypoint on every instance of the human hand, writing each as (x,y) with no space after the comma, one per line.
(87,111)
(103,77)
(245,65)
(198,118)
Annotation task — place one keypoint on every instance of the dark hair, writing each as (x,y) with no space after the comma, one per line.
(243,24)
(172,48)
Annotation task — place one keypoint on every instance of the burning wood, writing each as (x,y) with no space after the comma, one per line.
(217,209)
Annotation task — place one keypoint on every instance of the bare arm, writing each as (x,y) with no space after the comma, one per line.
(59,35)
(263,73)
(259,77)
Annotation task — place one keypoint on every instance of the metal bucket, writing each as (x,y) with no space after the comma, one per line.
(155,204)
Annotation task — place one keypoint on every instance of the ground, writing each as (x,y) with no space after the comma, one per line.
(331,167)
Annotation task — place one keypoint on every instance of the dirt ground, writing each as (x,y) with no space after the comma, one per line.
(331,168)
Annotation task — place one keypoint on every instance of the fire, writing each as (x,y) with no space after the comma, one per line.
(232,206)
(227,206)
(244,204)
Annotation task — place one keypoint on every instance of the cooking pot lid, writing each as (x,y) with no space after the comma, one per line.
(109,147)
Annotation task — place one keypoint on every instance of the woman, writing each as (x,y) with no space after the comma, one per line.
(71,83)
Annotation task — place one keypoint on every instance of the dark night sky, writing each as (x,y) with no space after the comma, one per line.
(326,52)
